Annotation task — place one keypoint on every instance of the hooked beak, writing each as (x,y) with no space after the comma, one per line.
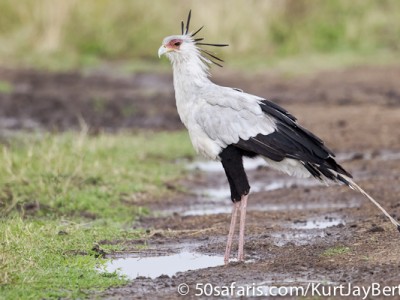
(163,49)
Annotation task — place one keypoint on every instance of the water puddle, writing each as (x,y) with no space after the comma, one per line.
(155,266)
(305,231)
(218,193)
(388,155)
(296,238)
(254,163)
(204,210)
(215,166)
(225,207)
(317,223)
(214,195)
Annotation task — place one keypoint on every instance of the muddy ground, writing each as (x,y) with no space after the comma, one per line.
(297,231)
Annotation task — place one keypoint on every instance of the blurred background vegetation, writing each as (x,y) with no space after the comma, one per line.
(65,34)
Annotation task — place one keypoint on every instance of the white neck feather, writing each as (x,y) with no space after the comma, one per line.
(190,68)
(190,75)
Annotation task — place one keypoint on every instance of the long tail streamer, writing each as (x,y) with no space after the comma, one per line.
(356,187)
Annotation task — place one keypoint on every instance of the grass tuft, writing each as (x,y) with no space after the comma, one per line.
(63,195)
(338,250)
(6,87)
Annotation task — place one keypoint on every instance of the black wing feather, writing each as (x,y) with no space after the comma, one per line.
(293,141)
(276,111)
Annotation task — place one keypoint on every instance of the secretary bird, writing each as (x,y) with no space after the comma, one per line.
(227,124)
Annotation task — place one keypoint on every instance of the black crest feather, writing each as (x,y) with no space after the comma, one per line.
(209,55)
(188,21)
(215,45)
(197,31)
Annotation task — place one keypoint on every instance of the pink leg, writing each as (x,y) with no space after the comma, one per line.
(231,232)
(243,206)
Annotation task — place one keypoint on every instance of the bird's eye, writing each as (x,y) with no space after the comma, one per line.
(177,43)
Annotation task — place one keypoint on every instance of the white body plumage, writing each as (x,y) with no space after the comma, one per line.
(218,116)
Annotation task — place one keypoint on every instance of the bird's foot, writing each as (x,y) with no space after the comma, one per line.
(226,261)
(240,257)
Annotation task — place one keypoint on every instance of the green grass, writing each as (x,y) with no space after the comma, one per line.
(338,250)
(5,87)
(40,263)
(317,62)
(62,194)
(62,34)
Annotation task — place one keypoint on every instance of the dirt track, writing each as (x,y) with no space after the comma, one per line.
(294,227)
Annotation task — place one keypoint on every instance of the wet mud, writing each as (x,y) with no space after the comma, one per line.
(295,234)
(298,231)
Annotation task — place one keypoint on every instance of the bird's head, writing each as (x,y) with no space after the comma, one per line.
(177,47)
(175,44)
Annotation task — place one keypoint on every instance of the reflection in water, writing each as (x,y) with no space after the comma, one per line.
(155,266)
(225,208)
(317,224)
